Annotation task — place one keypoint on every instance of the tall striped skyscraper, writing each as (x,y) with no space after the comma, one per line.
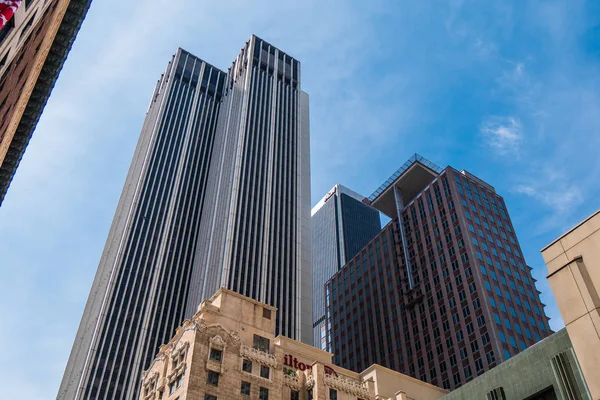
(217,195)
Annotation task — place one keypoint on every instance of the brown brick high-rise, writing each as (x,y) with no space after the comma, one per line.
(33,47)
(443,293)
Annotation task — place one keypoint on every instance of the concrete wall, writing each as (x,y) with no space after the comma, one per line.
(574,275)
(526,374)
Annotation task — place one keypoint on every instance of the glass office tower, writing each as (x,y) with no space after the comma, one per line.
(217,195)
(342,224)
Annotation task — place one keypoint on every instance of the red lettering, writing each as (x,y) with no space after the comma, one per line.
(293,362)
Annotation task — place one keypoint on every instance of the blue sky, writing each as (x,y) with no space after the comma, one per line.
(509,90)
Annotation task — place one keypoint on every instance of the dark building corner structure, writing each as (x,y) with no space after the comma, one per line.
(342,224)
(69,27)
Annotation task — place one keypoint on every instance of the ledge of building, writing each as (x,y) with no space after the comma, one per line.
(53,64)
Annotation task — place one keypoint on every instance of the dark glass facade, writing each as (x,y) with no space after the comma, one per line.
(207,143)
(472,303)
(342,225)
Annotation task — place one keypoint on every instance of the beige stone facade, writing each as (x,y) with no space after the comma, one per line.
(573,262)
(228,351)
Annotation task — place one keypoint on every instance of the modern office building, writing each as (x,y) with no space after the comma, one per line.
(217,195)
(443,292)
(228,350)
(34,45)
(342,224)
(548,370)
(573,262)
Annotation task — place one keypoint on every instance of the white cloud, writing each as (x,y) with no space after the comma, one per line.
(559,195)
(503,134)
(561,199)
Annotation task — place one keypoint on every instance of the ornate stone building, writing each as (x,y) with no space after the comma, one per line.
(228,351)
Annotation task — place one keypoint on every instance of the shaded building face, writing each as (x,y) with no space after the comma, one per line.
(341,226)
(442,293)
(34,45)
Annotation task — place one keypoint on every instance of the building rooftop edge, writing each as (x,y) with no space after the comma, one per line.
(241,296)
(410,378)
(415,158)
(569,231)
(341,189)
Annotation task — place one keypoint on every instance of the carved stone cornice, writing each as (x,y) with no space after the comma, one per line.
(217,342)
(348,386)
(291,381)
(259,356)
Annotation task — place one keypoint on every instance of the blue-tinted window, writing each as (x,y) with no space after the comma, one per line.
(506,354)
(542,326)
(487,285)
(483,271)
(501,336)
(517,300)
(528,333)
(513,312)
(492,302)
(512,341)
(507,323)
(498,291)
(502,306)
(522,345)
(518,329)
(497,319)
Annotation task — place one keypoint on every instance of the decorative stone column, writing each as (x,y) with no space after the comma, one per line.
(320,390)
(400,395)
(370,384)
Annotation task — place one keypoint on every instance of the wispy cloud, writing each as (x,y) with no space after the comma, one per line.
(562,199)
(503,134)
(558,195)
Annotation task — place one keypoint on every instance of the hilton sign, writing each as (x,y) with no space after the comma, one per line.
(293,362)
